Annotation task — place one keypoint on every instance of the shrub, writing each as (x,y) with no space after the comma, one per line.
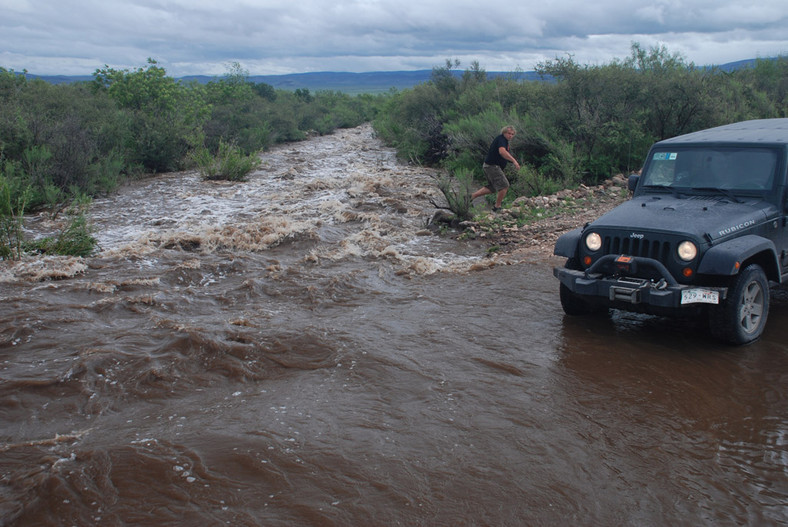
(457,190)
(245,124)
(531,182)
(105,173)
(470,136)
(229,163)
(413,123)
(76,238)
(564,163)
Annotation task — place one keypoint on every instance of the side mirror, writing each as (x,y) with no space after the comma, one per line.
(632,182)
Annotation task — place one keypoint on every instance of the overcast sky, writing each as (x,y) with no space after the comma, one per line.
(75,37)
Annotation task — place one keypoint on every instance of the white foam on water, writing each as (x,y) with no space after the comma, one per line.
(346,193)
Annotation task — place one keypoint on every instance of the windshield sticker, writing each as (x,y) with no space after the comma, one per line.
(665,156)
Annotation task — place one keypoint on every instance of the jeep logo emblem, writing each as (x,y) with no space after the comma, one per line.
(637,236)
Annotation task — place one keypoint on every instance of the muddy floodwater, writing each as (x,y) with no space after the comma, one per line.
(299,349)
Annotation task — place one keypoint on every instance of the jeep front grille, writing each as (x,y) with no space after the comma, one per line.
(658,250)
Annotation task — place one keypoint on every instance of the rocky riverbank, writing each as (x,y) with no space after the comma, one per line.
(533,224)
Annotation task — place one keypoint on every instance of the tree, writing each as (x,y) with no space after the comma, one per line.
(770,78)
(443,78)
(676,94)
(167,116)
(597,109)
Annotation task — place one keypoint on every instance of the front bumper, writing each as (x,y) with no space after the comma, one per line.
(603,283)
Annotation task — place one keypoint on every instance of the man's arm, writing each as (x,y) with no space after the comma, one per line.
(506,155)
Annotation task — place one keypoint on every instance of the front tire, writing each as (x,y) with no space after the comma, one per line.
(741,318)
(573,304)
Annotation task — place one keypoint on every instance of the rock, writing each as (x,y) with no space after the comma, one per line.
(620,181)
(441,216)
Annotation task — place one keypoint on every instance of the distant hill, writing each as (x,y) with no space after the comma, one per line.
(61,79)
(368,82)
(353,83)
(733,66)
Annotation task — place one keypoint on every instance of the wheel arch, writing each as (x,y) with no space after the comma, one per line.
(741,318)
(567,244)
(728,258)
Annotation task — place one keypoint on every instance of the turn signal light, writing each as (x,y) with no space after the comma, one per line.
(587,261)
(687,272)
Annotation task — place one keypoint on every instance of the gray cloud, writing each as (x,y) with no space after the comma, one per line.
(274,36)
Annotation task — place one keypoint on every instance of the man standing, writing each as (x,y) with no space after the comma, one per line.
(493,166)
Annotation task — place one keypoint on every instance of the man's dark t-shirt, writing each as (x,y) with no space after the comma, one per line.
(493,156)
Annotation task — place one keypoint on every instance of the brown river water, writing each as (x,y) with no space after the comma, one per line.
(299,350)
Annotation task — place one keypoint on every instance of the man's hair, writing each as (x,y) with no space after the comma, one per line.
(506,128)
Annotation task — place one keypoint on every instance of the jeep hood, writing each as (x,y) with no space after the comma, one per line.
(693,216)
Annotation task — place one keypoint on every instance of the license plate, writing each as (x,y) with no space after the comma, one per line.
(699,296)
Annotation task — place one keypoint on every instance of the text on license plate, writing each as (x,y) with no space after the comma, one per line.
(699,296)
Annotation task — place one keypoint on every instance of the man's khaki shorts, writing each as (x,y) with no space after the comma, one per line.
(496,180)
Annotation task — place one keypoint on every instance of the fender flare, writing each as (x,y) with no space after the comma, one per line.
(722,259)
(567,243)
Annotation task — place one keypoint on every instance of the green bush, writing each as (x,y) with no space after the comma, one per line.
(229,163)
(457,189)
(564,163)
(104,175)
(59,135)
(76,238)
(243,124)
(531,182)
(239,112)
(413,122)
(470,136)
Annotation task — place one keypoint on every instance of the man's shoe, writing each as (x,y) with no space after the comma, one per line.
(496,209)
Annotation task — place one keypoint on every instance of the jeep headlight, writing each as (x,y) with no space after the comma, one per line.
(687,251)
(593,242)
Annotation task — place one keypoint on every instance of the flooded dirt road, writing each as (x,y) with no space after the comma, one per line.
(299,350)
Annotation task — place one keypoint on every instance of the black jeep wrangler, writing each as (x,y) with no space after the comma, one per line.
(703,235)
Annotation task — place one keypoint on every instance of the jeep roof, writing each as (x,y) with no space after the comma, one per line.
(765,131)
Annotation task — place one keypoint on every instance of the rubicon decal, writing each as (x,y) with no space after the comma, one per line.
(735,228)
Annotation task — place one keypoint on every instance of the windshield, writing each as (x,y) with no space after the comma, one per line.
(730,168)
